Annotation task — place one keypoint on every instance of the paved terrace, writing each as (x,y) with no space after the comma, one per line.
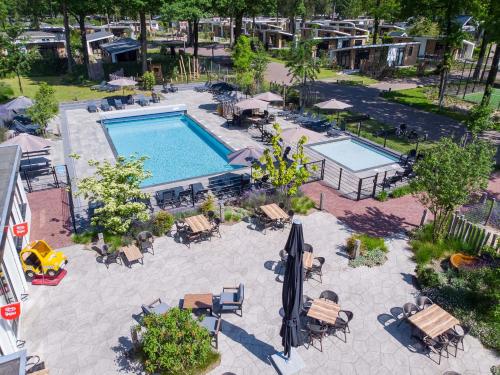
(82,325)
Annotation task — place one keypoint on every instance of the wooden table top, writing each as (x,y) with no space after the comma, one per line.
(132,253)
(198,223)
(307,260)
(198,301)
(433,321)
(324,310)
(274,212)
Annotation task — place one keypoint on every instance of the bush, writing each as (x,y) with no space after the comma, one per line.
(148,81)
(6,92)
(113,241)
(83,238)
(235,214)
(162,223)
(427,277)
(208,204)
(382,196)
(368,243)
(302,205)
(174,343)
(370,259)
(401,191)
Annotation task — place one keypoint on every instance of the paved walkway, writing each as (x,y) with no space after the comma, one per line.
(82,326)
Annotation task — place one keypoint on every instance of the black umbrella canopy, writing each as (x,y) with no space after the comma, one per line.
(292,290)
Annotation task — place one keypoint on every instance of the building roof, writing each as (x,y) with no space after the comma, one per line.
(99,35)
(37,35)
(10,159)
(121,45)
(377,46)
(397,33)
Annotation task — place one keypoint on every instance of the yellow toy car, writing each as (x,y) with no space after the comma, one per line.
(38,258)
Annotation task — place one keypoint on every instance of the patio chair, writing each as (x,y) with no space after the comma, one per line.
(288,220)
(424,302)
(130,99)
(105,105)
(342,322)
(317,332)
(215,227)
(155,97)
(409,309)
(173,88)
(456,336)
(100,87)
(19,127)
(111,88)
(330,296)
(155,307)
(213,325)
(437,346)
(142,100)
(92,107)
(282,262)
(118,104)
(210,216)
(231,299)
(306,304)
(317,269)
(145,242)
(111,256)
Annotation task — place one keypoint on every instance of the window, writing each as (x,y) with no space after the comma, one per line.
(410,51)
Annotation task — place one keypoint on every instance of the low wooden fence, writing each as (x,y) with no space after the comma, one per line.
(476,236)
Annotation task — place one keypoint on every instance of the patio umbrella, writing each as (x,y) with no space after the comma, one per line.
(18,104)
(251,104)
(333,105)
(246,156)
(292,290)
(293,135)
(122,82)
(28,143)
(269,97)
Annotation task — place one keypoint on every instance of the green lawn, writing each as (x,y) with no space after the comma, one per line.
(64,92)
(476,97)
(419,98)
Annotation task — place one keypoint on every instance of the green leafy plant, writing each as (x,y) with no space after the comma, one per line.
(382,196)
(208,204)
(117,190)
(162,223)
(148,80)
(235,214)
(428,277)
(479,120)
(302,204)
(401,191)
(83,238)
(174,343)
(372,258)
(6,92)
(368,243)
(45,106)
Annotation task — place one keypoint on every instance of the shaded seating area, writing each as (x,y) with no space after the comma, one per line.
(197,228)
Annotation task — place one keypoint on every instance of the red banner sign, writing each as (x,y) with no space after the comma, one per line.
(11,312)
(20,230)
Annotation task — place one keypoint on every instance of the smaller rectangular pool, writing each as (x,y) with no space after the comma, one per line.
(355,155)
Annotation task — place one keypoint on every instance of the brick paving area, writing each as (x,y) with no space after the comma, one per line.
(50,220)
(369,216)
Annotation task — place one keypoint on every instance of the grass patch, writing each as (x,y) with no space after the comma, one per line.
(302,205)
(422,98)
(411,71)
(372,250)
(476,97)
(114,241)
(401,191)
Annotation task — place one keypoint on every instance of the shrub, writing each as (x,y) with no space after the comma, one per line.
(235,214)
(370,259)
(148,80)
(302,205)
(162,223)
(427,277)
(83,238)
(368,243)
(174,343)
(208,204)
(401,191)
(6,92)
(382,196)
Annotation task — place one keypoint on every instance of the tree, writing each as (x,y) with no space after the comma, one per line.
(259,63)
(488,88)
(242,56)
(349,8)
(45,106)
(67,35)
(447,176)
(381,10)
(302,67)
(16,58)
(479,119)
(148,80)
(423,26)
(116,188)
(285,172)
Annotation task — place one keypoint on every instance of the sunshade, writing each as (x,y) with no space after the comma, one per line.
(333,104)
(292,290)
(122,82)
(246,156)
(293,135)
(28,142)
(269,97)
(251,104)
(17,104)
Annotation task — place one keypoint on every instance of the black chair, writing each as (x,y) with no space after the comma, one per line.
(145,242)
(210,216)
(330,296)
(111,256)
(423,302)
(231,299)
(306,304)
(438,346)
(456,336)
(409,309)
(316,269)
(215,227)
(316,332)
(289,220)
(281,205)
(342,322)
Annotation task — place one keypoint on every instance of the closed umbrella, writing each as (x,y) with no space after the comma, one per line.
(122,82)
(292,290)
(269,97)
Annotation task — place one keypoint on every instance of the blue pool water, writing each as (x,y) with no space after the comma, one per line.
(354,155)
(178,148)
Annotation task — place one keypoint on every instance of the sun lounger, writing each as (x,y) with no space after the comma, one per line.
(142,100)
(92,107)
(34,163)
(173,88)
(112,88)
(105,105)
(119,104)
(100,87)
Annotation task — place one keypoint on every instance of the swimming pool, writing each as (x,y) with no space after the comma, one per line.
(355,155)
(177,147)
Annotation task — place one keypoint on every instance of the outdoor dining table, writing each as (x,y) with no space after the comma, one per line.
(198,223)
(274,212)
(199,301)
(433,321)
(324,310)
(132,254)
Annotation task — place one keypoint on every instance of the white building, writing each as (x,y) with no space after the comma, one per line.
(14,209)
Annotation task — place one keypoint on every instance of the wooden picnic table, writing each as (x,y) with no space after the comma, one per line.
(433,320)
(199,301)
(274,212)
(132,254)
(307,260)
(324,310)
(198,223)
